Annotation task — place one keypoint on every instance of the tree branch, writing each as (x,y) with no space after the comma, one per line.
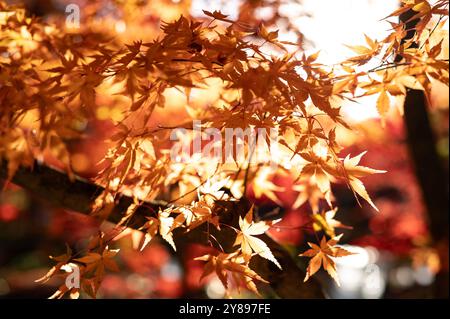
(55,187)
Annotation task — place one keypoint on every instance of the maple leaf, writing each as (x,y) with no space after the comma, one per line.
(217,15)
(322,256)
(247,240)
(270,36)
(94,265)
(325,221)
(365,54)
(393,84)
(319,171)
(263,186)
(151,227)
(308,192)
(383,103)
(162,225)
(62,260)
(354,172)
(224,264)
(214,188)
(74,292)
(98,262)
(196,214)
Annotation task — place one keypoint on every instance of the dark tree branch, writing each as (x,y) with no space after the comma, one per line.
(56,188)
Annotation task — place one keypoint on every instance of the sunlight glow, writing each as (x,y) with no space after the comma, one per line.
(333,24)
(328,25)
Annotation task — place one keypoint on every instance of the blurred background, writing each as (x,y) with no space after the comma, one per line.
(396,257)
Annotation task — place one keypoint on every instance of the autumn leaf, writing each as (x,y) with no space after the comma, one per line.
(308,192)
(322,256)
(162,226)
(98,262)
(196,214)
(263,186)
(224,264)
(217,15)
(251,244)
(62,260)
(325,221)
(383,103)
(354,172)
(151,228)
(365,53)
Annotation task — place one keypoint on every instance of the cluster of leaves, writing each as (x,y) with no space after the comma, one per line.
(52,82)
(412,64)
(91,268)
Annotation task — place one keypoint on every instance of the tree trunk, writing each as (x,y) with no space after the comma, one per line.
(430,172)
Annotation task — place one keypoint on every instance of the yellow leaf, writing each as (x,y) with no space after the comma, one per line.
(359,188)
(323,256)
(383,103)
(249,243)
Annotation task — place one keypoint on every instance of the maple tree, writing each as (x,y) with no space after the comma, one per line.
(53,82)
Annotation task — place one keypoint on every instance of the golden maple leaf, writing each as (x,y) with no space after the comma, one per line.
(355,171)
(162,225)
(236,265)
(325,221)
(263,186)
(251,244)
(322,256)
(62,260)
